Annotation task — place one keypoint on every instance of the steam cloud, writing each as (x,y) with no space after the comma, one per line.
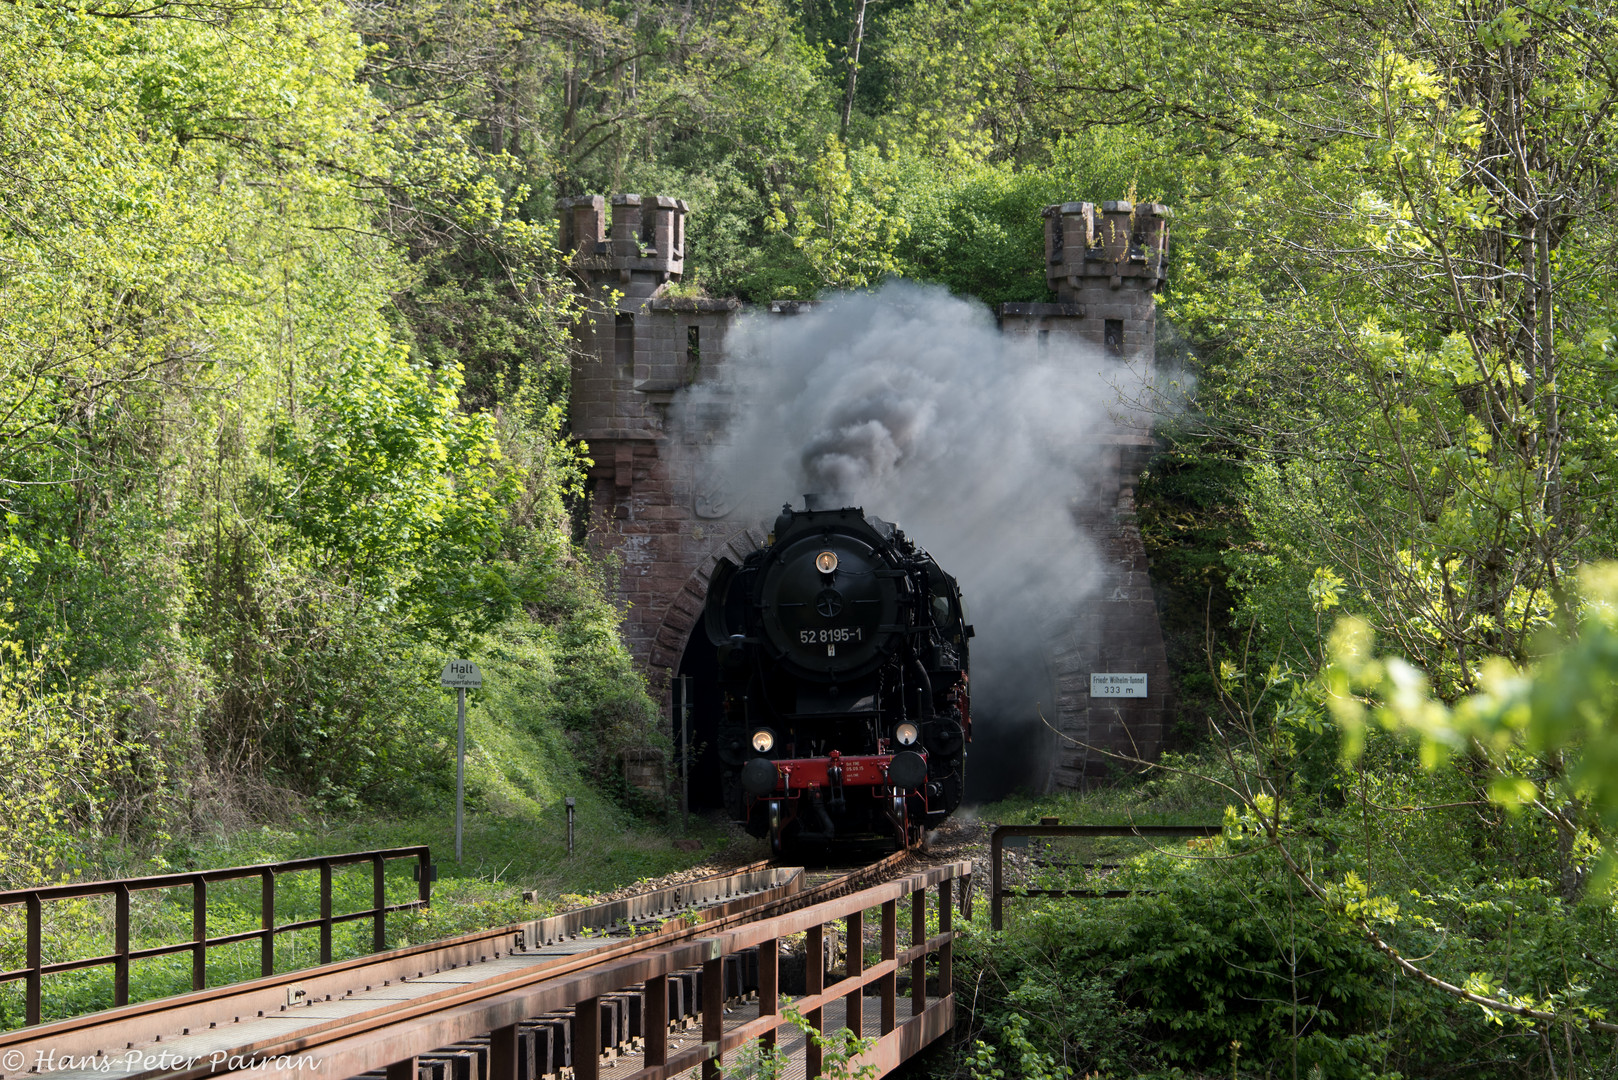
(910,403)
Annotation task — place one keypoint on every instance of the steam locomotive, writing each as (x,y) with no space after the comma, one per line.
(843,659)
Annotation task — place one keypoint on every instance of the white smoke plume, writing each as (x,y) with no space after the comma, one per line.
(910,403)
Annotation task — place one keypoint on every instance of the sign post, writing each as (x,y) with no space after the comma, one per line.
(460,674)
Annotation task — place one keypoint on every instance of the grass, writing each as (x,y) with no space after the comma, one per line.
(519,772)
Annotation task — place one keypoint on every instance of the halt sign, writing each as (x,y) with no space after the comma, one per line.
(1118,684)
(461,675)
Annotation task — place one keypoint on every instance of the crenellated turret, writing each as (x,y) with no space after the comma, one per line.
(1105,263)
(644,249)
(1115,241)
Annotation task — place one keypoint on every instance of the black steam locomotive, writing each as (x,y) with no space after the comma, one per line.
(843,657)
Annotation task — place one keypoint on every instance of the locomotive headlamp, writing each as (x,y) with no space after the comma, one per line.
(764,740)
(906,734)
(826,561)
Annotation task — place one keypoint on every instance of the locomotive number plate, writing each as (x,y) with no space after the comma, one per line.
(831,635)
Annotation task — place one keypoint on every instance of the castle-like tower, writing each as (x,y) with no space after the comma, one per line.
(1105,263)
(636,348)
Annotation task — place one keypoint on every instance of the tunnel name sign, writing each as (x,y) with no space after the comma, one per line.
(1118,684)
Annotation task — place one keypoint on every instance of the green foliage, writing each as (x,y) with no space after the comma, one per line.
(983,1062)
(64,769)
(839,1049)
(235,509)
(1223,952)
(846,223)
(397,491)
(566,691)
(1191,520)
(1542,737)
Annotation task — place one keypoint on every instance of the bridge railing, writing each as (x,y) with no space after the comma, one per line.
(930,1014)
(395,1045)
(34,900)
(1006,836)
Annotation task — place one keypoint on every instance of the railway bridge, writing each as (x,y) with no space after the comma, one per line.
(689,981)
(640,346)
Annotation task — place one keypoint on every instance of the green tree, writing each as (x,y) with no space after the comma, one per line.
(850,220)
(396,490)
(206,216)
(1391,258)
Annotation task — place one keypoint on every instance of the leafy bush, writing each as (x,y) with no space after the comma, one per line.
(1225,952)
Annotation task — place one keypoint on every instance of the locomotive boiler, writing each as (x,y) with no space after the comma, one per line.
(843,661)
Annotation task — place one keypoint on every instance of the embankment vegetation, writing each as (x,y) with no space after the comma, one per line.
(282,424)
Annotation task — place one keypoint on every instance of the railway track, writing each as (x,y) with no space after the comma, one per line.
(512,980)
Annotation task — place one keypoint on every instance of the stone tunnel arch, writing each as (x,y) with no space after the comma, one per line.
(682,649)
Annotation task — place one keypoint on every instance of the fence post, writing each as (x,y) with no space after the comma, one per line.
(655,1020)
(890,951)
(503,1052)
(199,933)
(946,951)
(424,889)
(266,900)
(120,946)
(587,1040)
(996,850)
(769,985)
(35,958)
(379,897)
(713,1014)
(325,911)
(854,946)
(918,940)
(814,977)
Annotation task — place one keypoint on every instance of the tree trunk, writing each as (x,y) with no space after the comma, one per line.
(856,37)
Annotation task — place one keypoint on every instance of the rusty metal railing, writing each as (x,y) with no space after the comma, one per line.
(34,900)
(1002,833)
(394,1043)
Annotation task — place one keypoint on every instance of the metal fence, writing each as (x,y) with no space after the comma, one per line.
(34,900)
(1005,836)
